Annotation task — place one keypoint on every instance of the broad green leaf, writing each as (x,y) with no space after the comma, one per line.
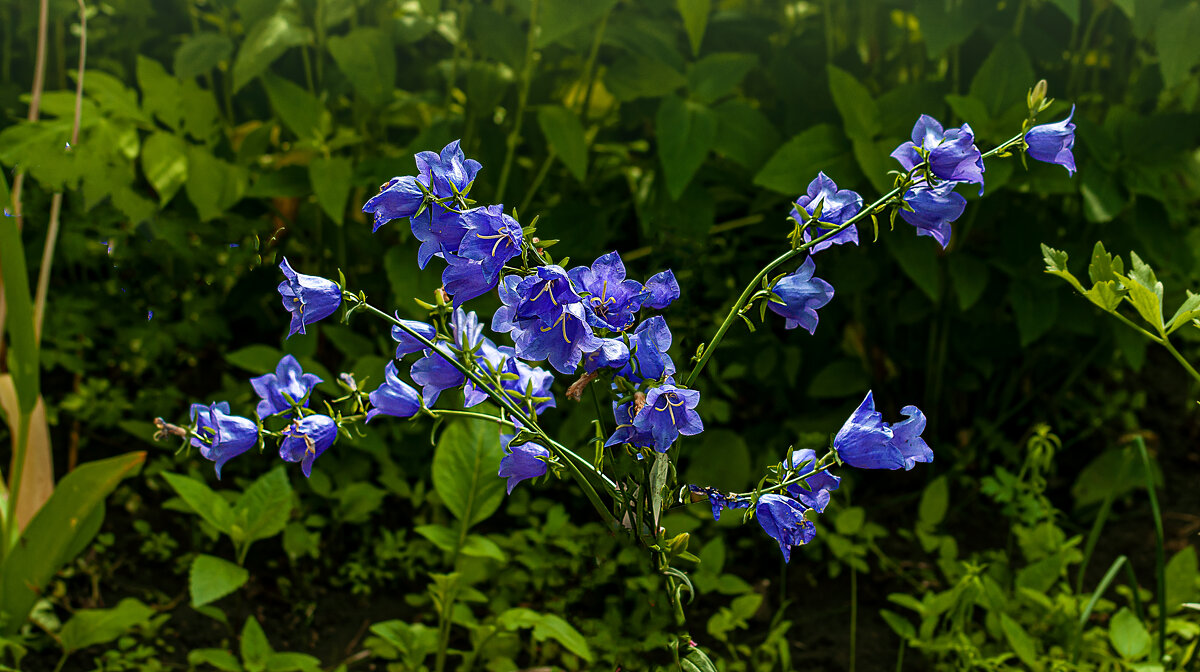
(899,624)
(1175,38)
(55,530)
(331,181)
(558,19)
(839,378)
(264,508)
(414,641)
(744,133)
(1128,635)
(565,134)
(212,578)
(465,467)
(22,343)
(717,75)
(255,358)
(819,148)
(945,24)
(1104,267)
(935,502)
(686,131)
(213,185)
(164,162)
(478,546)
(874,162)
(850,520)
(218,658)
(658,481)
(1056,264)
(969,277)
(972,110)
(160,92)
(719,459)
(89,627)
(1068,7)
(292,662)
(1034,309)
(548,626)
(301,112)
(358,501)
(695,20)
(1021,643)
(1107,295)
(1188,311)
(368,59)
(266,41)
(917,257)
(255,648)
(441,536)
(207,504)
(1146,300)
(634,76)
(1004,78)
(200,53)
(113,97)
(1181,573)
(860,114)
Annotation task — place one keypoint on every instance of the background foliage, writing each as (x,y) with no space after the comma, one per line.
(219,135)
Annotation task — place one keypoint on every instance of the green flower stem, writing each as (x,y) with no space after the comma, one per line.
(1178,357)
(752,287)
(471,414)
(514,136)
(570,458)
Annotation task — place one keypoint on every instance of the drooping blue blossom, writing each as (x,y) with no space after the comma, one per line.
(612,354)
(543,295)
(521,462)
(465,279)
(816,497)
(308,298)
(626,432)
(782,518)
(400,197)
(612,300)
(867,442)
(487,358)
(394,397)
(952,153)
(435,374)
(306,439)
(1053,143)
(663,288)
(440,230)
(406,344)
(562,342)
(837,206)
(222,436)
(288,386)
(933,209)
(669,412)
(531,380)
(449,172)
(719,501)
(443,175)
(801,295)
(492,238)
(648,346)
(466,329)
(504,319)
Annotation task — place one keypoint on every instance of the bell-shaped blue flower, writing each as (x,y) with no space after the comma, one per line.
(544,294)
(816,497)
(406,344)
(504,319)
(562,342)
(465,279)
(933,209)
(612,354)
(521,462)
(308,298)
(1053,143)
(440,230)
(306,439)
(449,172)
(492,238)
(435,374)
(836,205)
(669,412)
(626,432)
(800,295)
(648,346)
(400,197)
(952,154)
(394,397)
(782,518)
(663,289)
(288,386)
(867,442)
(222,436)
(612,301)
(530,380)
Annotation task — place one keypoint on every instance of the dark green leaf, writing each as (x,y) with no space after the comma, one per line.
(264,508)
(200,53)
(212,578)
(89,627)
(465,467)
(266,41)
(969,277)
(560,18)
(686,131)
(1175,37)
(213,185)
(299,110)
(717,75)
(744,134)
(1004,78)
(565,134)
(820,148)
(841,378)
(207,504)
(367,58)
(331,181)
(860,115)
(695,19)
(23,345)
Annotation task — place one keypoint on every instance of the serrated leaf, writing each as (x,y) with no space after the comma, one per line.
(255,648)
(1146,300)
(1056,264)
(212,578)
(1104,266)
(1107,295)
(264,508)
(1186,313)
(207,504)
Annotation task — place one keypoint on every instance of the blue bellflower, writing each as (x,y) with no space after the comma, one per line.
(531,380)
(562,342)
(952,153)
(816,497)
(444,175)
(933,209)
(435,374)
(669,412)
(612,353)
(308,298)
(440,231)
(613,300)
(1053,143)
(400,197)
(648,346)
(465,279)
(222,436)
(492,238)
(288,386)
(543,295)
(782,518)
(306,439)
(626,432)
(521,462)
(406,343)
(394,397)
(663,289)
(837,206)
(449,172)
(800,295)
(867,442)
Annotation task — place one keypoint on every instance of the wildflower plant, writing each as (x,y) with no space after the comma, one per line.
(591,328)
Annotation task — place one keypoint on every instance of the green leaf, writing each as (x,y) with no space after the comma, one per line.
(1034,310)
(1056,264)
(686,131)
(917,257)
(56,530)
(1175,38)
(255,648)
(5,195)
(860,114)
(1128,635)
(839,378)
(23,345)
(565,134)
(207,504)
(255,358)
(547,626)
(720,459)
(935,502)
(1004,78)
(1103,267)
(218,658)
(212,578)
(300,111)
(478,546)
(944,25)
(264,508)
(1020,642)
(200,53)
(634,76)
(969,277)
(850,520)
(213,185)
(266,41)
(560,18)
(1189,310)
(1145,293)
(293,662)
(331,181)
(658,481)
(1107,295)
(367,58)
(744,134)
(695,20)
(160,92)
(1181,574)
(465,467)
(899,624)
(441,536)
(819,148)
(717,75)
(358,501)
(89,627)
(164,162)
